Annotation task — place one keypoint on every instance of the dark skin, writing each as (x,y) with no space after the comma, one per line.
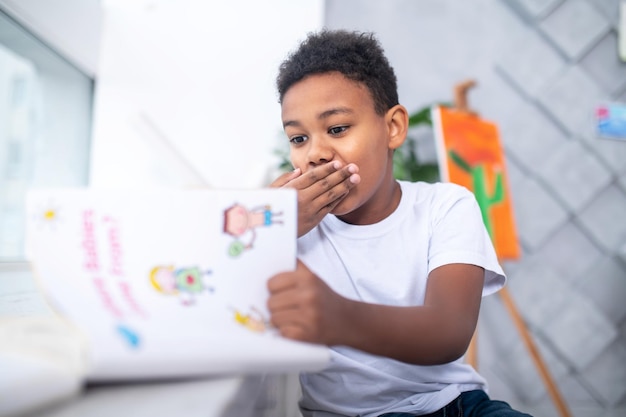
(319,191)
(332,124)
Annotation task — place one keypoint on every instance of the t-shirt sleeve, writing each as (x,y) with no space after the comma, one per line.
(458,235)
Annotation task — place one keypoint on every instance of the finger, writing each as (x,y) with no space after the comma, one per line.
(336,186)
(316,174)
(279,316)
(334,183)
(281,282)
(346,176)
(294,332)
(289,319)
(285,178)
(331,206)
(283,302)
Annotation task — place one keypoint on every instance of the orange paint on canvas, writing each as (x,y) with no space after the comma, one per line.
(470,154)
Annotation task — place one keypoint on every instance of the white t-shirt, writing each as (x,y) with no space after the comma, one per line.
(388,263)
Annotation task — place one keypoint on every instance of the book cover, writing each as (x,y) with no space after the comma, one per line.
(168,283)
(470,154)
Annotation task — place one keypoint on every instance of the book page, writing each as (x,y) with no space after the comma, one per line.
(168,283)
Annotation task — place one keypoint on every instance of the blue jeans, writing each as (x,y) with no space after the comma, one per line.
(470,404)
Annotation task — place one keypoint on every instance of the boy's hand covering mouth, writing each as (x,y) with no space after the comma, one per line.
(319,190)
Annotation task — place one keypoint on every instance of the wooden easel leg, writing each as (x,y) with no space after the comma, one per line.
(534,352)
(472,351)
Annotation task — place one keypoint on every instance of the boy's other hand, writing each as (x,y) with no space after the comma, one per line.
(319,190)
(305,308)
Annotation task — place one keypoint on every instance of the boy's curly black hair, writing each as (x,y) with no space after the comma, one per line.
(356,55)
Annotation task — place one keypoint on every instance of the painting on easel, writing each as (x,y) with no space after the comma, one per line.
(470,154)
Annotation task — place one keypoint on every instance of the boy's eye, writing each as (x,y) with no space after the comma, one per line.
(337,130)
(296,140)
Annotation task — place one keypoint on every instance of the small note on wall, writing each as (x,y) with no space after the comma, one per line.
(611,121)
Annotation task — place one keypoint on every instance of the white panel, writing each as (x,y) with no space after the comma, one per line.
(72,27)
(199,76)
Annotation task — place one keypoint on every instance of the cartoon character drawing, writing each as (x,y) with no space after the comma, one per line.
(254,320)
(240,222)
(183,282)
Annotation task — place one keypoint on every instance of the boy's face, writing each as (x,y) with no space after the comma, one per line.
(328,117)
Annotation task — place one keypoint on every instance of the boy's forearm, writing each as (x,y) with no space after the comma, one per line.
(418,335)
(305,308)
(437,332)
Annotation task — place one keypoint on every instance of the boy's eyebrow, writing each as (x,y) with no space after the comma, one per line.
(322,115)
(337,110)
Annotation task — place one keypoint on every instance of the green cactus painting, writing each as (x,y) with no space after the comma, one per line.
(479,181)
(470,155)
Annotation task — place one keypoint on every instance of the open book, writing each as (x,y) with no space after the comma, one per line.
(168,284)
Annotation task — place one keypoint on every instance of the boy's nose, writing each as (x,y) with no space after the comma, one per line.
(319,152)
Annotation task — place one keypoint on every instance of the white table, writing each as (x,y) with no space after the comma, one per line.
(233,396)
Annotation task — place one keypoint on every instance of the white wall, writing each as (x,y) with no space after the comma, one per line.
(72,27)
(185,93)
(45,103)
(198,75)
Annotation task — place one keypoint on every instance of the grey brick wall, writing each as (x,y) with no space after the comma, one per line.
(541,66)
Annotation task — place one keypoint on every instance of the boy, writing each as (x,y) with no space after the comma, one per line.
(392,280)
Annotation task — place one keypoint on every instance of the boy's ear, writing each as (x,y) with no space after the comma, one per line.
(397,119)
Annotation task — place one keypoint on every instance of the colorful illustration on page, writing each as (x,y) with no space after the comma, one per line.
(242,223)
(184,283)
(48,215)
(252,320)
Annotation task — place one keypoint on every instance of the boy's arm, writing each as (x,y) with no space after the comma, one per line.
(304,308)
(319,190)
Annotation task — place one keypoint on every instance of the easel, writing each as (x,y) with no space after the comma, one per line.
(461,104)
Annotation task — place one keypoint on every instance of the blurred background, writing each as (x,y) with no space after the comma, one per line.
(149,93)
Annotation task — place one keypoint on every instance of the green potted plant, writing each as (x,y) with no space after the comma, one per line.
(406,163)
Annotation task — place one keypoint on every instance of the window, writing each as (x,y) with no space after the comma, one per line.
(45,127)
